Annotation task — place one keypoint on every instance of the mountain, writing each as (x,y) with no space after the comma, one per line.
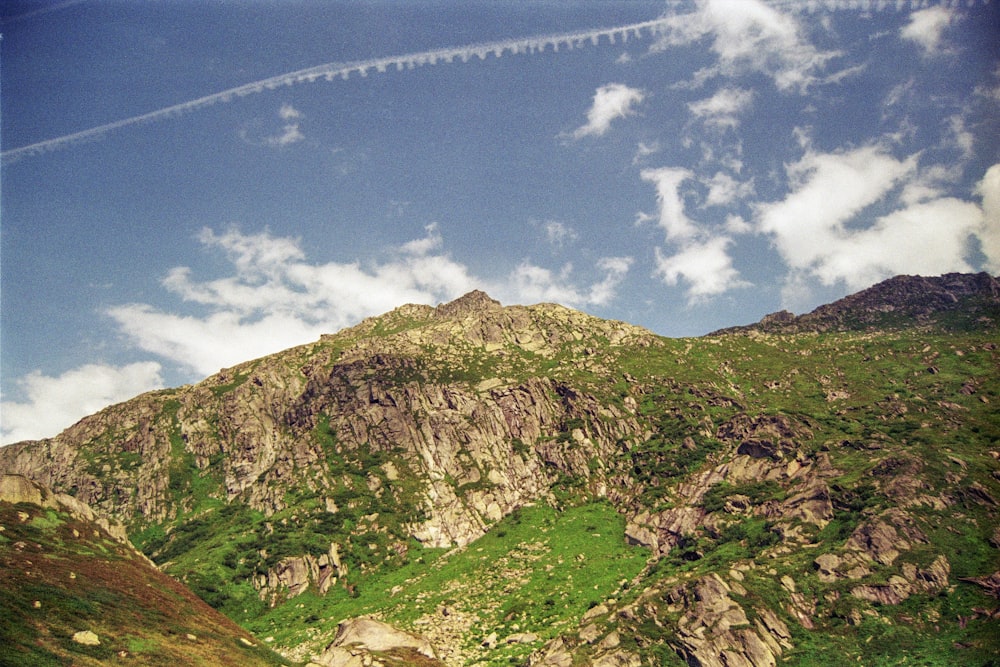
(952,301)
(480,484)
(76,592)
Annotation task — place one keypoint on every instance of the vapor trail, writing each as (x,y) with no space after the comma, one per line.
(332,71)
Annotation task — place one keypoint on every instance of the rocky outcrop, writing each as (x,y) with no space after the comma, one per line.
(365,642)
(427,427)
(19,489)
(931,579)
(294,575)
(715,631)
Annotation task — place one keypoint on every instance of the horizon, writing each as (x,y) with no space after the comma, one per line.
(174,203)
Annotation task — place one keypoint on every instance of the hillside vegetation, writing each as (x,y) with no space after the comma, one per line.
(533,485)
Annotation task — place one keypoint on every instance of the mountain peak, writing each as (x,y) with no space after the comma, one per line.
(474,301)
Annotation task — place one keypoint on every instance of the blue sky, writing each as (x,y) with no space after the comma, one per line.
(190,184)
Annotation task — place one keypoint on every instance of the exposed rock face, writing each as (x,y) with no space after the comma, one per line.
(294,575)
(360,642)
(87,638)
(715,631)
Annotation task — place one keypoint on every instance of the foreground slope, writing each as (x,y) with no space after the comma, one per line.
(535,484)
(75,592)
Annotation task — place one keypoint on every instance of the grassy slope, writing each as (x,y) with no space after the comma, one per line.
(59,575)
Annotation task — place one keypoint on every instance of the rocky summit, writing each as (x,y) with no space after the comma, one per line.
(479,484)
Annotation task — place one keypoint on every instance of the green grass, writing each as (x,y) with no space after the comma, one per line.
(538,569)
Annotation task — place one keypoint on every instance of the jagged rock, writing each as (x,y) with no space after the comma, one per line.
(293,575)
(894,591)
(883,538)
(554,654)
(933,579)
(911,299)
(826,565)
(714,630)
(590,633)
(618,658)
(19,489)
(990,583)
(811,505)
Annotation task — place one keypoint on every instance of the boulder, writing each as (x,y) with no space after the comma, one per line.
(359,637)
(87,638)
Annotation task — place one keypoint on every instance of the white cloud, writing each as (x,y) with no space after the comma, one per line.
(613,101)
(290,135)
(926,29)
(706,266)
(724,189)
(722,109)
(558,234)
(828,189)
(749,36)
(989,236)
(672,217)
(820,231)
(288,112)
(702,259)
(55,403)
(290,132)
(534,283)
(929,238)
(644,150)
(276,299)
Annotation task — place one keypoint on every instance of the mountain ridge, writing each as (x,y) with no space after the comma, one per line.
(901,301)
(368,474)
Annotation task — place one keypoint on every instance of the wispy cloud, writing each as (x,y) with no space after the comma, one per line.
(54,403)
(611,102)
(558,234)
(722,110)
(341,70)
(749,36)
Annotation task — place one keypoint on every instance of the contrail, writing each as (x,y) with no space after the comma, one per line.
(332,71)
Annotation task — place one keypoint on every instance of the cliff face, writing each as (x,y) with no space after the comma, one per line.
(779,485)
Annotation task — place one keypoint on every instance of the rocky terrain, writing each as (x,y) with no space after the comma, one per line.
(480,484)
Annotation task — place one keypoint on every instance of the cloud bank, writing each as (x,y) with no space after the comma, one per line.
(55,403)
